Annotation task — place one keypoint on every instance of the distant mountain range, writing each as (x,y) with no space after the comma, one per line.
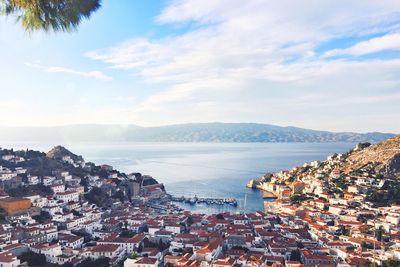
(193,132)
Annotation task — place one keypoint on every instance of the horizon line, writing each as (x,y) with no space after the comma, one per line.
(186,123)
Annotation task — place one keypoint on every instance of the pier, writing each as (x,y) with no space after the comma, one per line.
(208,201)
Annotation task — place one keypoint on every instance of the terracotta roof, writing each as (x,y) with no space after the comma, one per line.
(226,262)
(7,257)
(104,248)
(146,260)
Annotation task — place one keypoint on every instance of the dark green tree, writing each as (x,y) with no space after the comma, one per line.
(43,217)
(367,245)
(295,255)
(391,263)
(33,259)
(56,15)
(219,216)
(379,233)
(101,262)
(368,264)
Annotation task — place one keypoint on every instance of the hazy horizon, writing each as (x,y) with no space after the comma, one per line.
(180,124)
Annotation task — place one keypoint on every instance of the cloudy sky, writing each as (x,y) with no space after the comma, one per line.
(330,65)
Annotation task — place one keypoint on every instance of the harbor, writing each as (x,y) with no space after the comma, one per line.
(208,201)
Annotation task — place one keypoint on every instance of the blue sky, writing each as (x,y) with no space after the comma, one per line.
(331,65)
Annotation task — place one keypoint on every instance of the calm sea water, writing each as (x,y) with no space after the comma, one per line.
(202,169)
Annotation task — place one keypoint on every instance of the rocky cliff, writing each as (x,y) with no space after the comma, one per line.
(384,155)
(58,152)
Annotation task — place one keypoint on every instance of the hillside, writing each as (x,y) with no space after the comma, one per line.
(58,152)
(195,132)
(385,155)
(372,171)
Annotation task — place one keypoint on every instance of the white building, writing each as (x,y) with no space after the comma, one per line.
(6,174)
(48,180)
(52,209)
(40,202)
(8,157)
(68,159)
(32,180)
(153,229)
(20,170)
(393,219)
(99,251)
(337,210)
(8,260)
(174,228)
(71,241)
(67,196)
(49,251)
(141,262)
(58,188)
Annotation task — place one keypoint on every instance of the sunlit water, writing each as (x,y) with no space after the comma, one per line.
(202,169)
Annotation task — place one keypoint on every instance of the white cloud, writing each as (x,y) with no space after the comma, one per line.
(374,45)
(90,74)
(256,60)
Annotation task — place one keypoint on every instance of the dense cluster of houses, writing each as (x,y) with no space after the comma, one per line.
(335,206)
(325,228)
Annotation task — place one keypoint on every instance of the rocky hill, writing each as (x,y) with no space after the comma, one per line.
(384,155)
(58,152)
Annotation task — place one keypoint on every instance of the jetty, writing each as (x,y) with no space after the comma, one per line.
(209,201)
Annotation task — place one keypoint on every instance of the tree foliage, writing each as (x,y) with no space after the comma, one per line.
(391,263)
(47,15)
(368,263)
(127,233)
(298,198)
(33,259)
(220,216)
(43,217)
(295,255)
(101,262)
(96,196)
(134,255)
(367,245)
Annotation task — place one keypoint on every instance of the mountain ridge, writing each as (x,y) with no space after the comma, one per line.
(189,132)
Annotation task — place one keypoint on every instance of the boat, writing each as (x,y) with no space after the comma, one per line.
(193,200)
(208,201)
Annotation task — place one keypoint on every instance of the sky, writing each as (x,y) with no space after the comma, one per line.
(328,65)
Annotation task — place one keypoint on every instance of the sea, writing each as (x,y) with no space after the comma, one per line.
(217,170)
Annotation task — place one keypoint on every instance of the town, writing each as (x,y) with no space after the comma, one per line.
(349,203)
(58,210)
(200,133)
